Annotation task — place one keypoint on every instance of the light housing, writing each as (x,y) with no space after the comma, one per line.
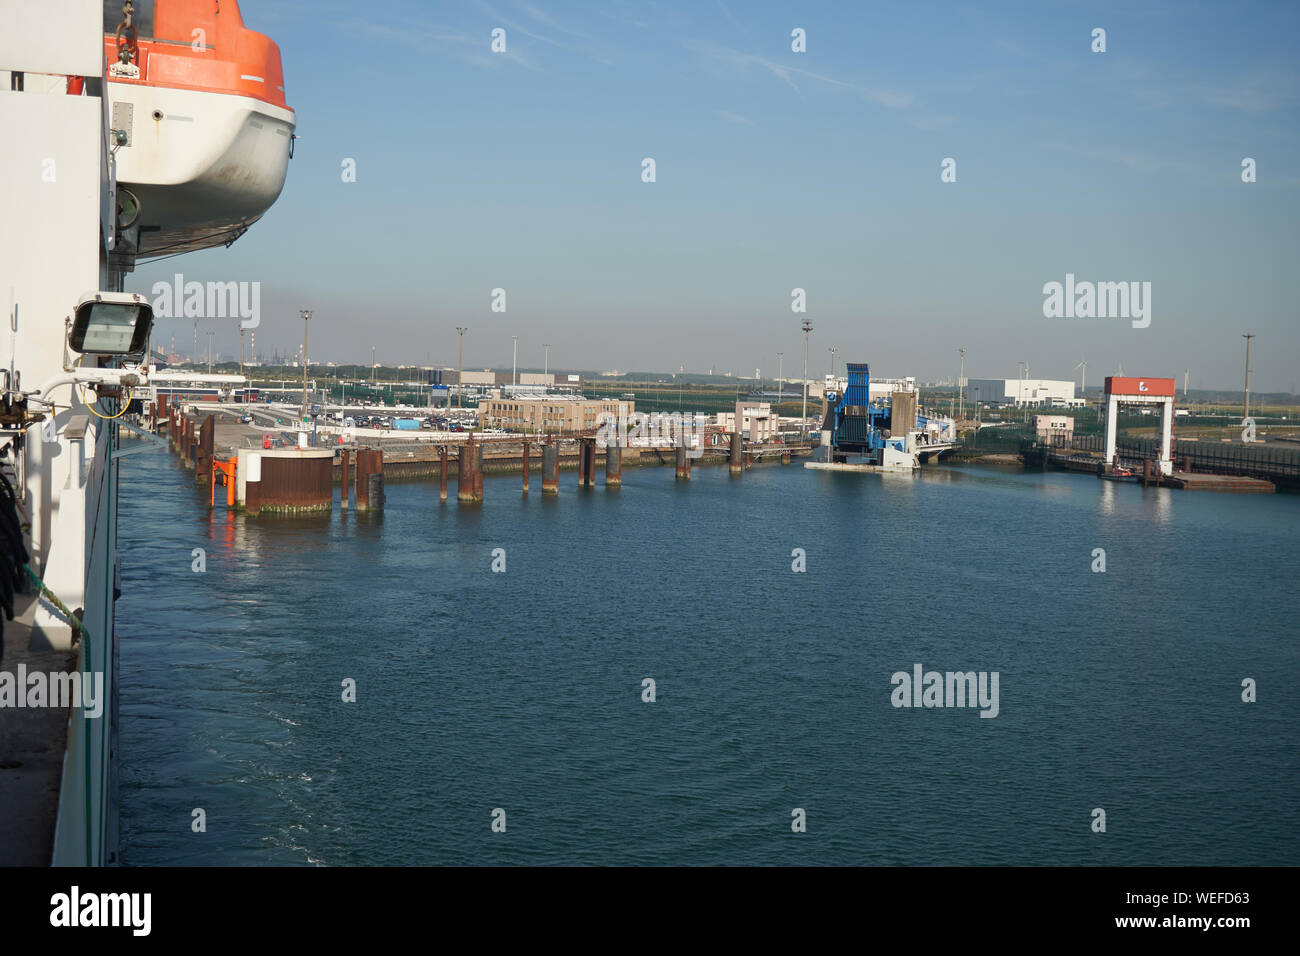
(111,323)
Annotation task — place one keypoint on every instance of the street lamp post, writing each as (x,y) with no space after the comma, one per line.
(1246,410)
(807,327)
(961,387)
(460,363)
(826,396)
(306,314)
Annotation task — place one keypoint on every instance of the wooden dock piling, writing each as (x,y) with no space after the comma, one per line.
(586,462)
(468,482)
(613,464)
(550,468)
(346,473)
(363,479)
(478,471)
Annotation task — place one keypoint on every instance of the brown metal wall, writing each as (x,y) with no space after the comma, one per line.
(902,413)
(203,451)
(297,483)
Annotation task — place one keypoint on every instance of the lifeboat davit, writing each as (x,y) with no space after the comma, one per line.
(208,133)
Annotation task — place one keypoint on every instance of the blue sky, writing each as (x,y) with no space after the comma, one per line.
(777,170)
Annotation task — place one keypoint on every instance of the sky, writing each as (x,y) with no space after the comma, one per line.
(775,170)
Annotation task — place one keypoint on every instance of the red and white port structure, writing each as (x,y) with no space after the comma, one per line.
(1121,390)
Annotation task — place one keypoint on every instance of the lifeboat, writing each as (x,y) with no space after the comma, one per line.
(208,134)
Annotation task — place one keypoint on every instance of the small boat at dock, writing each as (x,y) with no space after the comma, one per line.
(1119,473)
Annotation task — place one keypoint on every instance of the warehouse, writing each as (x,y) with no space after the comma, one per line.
(1037,392)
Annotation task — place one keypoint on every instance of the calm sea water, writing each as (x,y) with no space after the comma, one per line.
(522,690)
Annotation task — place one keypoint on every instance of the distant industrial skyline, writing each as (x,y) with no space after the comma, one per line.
(1095,385)
(922,176)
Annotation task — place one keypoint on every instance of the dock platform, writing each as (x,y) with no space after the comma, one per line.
(1236,484)
(858,467)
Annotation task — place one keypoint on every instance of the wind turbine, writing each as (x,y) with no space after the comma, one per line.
(1083,386)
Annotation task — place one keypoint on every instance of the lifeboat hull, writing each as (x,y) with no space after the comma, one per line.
(204,165)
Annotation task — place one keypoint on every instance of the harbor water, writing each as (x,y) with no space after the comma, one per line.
(523,690)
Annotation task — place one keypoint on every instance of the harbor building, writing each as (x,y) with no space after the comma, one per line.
(1022,392)
(1054,429)
(569,381)
(549,413)
(758,423)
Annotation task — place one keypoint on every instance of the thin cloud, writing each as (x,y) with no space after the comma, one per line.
(474,50)
(1248,99)
(932,123)
(1133,159)
(515,25)
(787,74)
(541,17)
(727,13)
(736,118)
(583,49)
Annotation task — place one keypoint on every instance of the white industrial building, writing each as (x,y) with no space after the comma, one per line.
(1037,392)
(758,423)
